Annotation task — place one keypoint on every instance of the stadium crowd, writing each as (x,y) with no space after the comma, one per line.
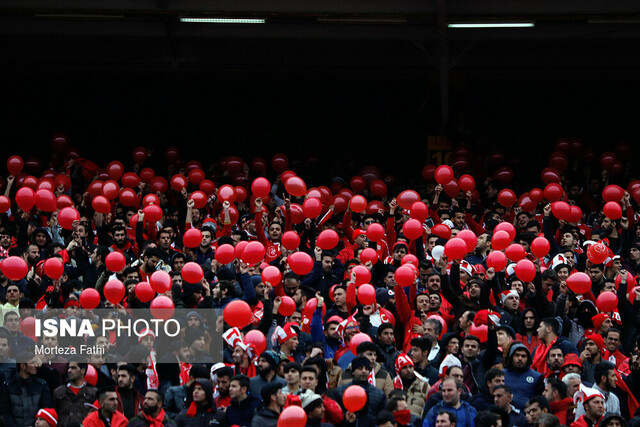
(430,333)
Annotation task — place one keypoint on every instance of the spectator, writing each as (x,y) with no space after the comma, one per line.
(502,397)
(605,376)
(152,413)
(243,404)
(201,410)
(560,405)
(129,399)
(273,402)
(107,414)
(46,417)
(266,370)
(536,406)
(524,381)
(451,393)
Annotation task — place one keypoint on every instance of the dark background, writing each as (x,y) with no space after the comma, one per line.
(348,94)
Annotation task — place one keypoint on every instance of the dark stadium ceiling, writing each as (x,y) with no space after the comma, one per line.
(387,36)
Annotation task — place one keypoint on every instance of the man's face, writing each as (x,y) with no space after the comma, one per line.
(529,320)
(238,355)
(164,241)
(184,354)
(470,349)
(481,243)
(124,379)
(595,274)
(595,407)
(612,342)
(434,302)
(275,232)
(199,395)
(332,330)
(430,332)
(151,404)
(110,402)
(495,381)
(501,398)
(417,355)
(361,374)
(308,381)
(453,346)
(431,243)
(399,253)
(456,373)
(206,239)
(611,379)
(591,347)
(33,254)
(223,384)
(371,355)
(119,238)
(5,240)
(512,302)
(13,294)
(150,262)
(292,343)
(327,264)
(523,219)
(520,359)
(40,239)
(422,302)
(503,338)
(606,325)
(549,393)
(350,330)
(340,297)
(450,393)
(4,348)
(12,322)
(291,287)
(542,331)
(442,420)
(178,263)
(433,283)
(193,322)
(533,412)
(292,376)
(458,220)
(573,386)
(555,359)
(567,240)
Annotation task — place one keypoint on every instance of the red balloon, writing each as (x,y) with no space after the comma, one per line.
(66,216)
(500,240)
(115,262)
(632,294)
(515,252)
(443,174)
(272,275)
(451,188)
(259,165)
(480,331)
(46,201)
(14,268)
(89,299)
(366,294)
(172,154)
(225,254)
(260,187)
(419,211)
(362,273)
(239,248)
(115,170)
(140,155)
(297,216)
(192,238)
(196,176)
(153,213)
(607,159)
(199,199)
(253,253)
(455,248)
(279,162)
(497,260)
(15,165)
(561,210)
(466,183)
(114,291)
(128,197)
(29,181)
(358,204)
(559,161)
(378,188)
(357,184)
(525,270)
(507,198)
(144,292)
(257,339)
(301,263)
(64,180)
(25,198)
(237,314)
(290,240)
(101,205)
(612,210)
(5,204)
(579,282)
(95,188)
(227,193)
(54,268)
(613,193)
(508,227)
(412,229)
(63,201)
(358,339)
(91,375)
(292,416)
(162,307)
(607,302)
(404,276)
(160,281)
(504,174)
(354,398)
(428,172)
(110,189)
(311,208)
(287,306)
(178,182)
(295,186)
(575,215)
(375,232)
(550,175)
(441,230)
(407,198)
(150,199)
(368,255)
(327,240)
(130,180)
(553,192)
(470,239)
(192,272)
(597,253)
(540,247)
(241,194)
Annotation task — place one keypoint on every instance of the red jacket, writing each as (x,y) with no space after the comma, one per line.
(93,420)
(581,422)
(563,409)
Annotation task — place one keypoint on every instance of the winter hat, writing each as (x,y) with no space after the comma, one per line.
(357,233)
(447,363)
(508,329)
(272,358)
(255,280)
(145,333)
(506,294)
(225,274)
(192,334)
(383,295)
(49,415)
(193,313)
(596,338)
(403,360)
(466,267)
(310,400)
(190,288)
(286,332)
(599,319)
(584,394)
(483,317)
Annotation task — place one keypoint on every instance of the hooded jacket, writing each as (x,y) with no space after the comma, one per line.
(205,415)
(524,382)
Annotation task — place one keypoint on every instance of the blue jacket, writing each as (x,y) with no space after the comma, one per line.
(465,414)
(241,413)
(523,382)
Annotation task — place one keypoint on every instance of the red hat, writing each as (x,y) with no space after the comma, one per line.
(483,317)
(49,415)
(596,338)
(403,360)
(72,303)
(506,294)
(286,332)
(584,394)
(572,359)
(599,319)
(334,319)
(144,333)
(357,233)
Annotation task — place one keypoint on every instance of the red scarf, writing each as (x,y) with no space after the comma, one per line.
(559,408)
(631,400)
(157,421)
(193,410)
(540,357)
(185,368)
(397,383)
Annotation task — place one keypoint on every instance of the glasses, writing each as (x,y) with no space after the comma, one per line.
(368,222)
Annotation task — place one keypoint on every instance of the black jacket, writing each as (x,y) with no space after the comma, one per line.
(21,398)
